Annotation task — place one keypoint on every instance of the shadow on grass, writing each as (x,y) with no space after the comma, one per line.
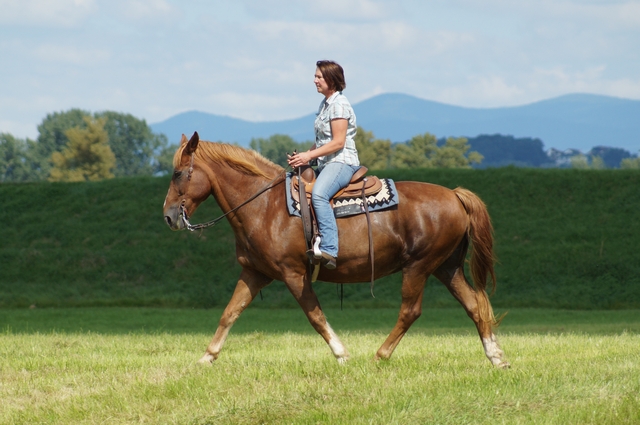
(117,320)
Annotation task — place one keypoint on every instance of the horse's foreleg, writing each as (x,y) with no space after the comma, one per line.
(247,288)
(302,291)
(410,310)
(478,308)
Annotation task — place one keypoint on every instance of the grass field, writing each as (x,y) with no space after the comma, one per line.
(132,365)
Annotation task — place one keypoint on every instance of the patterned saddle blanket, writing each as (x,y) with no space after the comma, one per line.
(381,194)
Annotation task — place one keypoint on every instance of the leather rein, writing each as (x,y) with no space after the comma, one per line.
(194,227)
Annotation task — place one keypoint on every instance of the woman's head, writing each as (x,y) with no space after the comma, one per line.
(332,74)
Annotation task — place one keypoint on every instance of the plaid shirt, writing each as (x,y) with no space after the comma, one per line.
(336,106)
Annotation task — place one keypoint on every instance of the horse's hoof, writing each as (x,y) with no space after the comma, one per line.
(207,359)
(342,360)
(504,365)
(380,356)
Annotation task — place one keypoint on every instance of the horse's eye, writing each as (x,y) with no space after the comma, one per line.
(177,174)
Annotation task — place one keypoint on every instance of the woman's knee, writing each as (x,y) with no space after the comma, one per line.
(319,198)
(321,193)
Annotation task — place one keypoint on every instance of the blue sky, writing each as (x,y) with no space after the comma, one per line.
(255,59)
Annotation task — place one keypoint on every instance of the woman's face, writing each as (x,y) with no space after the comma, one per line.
(321,84)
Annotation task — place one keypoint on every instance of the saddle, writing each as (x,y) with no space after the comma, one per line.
(360,185)
(359,181)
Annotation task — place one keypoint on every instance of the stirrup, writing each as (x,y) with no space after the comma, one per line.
(316,248)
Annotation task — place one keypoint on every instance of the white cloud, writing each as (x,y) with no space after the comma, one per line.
(351,10)
(58,13)
(357,40)
(71,54)
(236,104)
(144,10)
(318,11)
(611,14)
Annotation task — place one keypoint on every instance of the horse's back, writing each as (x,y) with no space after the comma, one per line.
(426,226)
(429,198)
(423,208)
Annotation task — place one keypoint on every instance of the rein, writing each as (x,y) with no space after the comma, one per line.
(194,227)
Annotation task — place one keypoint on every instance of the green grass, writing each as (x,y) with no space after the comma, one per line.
(564,239)
(131,365)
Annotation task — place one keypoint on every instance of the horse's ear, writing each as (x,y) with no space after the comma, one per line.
(183,140)
(193,143)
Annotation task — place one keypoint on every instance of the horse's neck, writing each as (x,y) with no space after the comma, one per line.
(231,188)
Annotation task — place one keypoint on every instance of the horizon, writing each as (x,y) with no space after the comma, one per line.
(403,94)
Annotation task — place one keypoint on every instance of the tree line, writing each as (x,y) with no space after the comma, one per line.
(76,145)
(422,151)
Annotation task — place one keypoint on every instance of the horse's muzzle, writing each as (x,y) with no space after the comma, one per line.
(174,220)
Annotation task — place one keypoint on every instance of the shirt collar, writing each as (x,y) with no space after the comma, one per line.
(332,98)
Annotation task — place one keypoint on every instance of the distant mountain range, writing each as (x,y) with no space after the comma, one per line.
(574,121)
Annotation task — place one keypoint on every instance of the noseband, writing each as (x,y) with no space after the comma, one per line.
(193,227)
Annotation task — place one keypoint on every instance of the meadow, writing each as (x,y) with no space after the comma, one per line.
(137,365)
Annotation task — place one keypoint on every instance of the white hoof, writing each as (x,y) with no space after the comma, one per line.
(342,360)
(207,359)
(494,353)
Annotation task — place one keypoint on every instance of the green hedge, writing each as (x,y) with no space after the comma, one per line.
(564,239)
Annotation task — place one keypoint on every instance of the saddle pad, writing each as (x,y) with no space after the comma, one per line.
(345,207)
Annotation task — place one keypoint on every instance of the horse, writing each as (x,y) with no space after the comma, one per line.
(429,233)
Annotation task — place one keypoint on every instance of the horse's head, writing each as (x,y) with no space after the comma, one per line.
(189,186)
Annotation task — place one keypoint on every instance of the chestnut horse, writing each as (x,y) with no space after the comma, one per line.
(427,234)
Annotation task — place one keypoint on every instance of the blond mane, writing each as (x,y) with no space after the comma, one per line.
(246,161)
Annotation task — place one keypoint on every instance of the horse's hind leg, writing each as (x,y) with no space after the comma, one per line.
(301,289)
(410,310)
(247,288)
(478,309)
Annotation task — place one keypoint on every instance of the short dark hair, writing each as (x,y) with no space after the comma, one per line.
(332,74)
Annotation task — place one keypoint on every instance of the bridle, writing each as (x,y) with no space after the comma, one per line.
(193,227)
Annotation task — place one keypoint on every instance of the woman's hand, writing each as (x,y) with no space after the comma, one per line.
(299,159)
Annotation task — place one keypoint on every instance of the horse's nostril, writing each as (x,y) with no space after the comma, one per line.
(167,219)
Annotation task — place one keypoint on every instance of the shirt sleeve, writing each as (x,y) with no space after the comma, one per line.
(337,110)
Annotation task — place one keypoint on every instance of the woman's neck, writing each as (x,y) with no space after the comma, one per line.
(329,94)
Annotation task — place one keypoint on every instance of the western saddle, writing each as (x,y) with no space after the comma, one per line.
(360,185)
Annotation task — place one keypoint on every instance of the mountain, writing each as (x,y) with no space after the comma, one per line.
(574,121)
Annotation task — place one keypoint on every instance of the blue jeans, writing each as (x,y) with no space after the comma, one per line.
(333,177)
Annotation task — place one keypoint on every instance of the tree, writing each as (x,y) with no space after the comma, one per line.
(630,163)
(580,162)
(454,154)
(416,153)
(373,153)
(165,159)
(587,162)
(597,163)
(16,162)
(422,151)
(87,155)
(276,147)
(133,143)
(499,150)
(52,137)
(611,157)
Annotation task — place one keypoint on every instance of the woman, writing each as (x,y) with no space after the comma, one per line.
(335,150)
